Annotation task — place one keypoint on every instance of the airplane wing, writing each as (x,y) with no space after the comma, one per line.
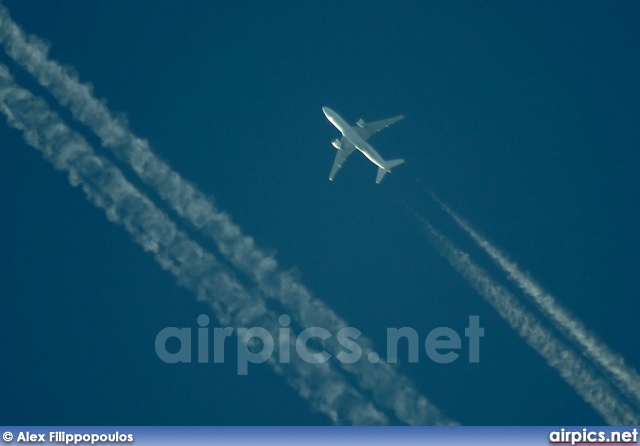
(366,129)
(341,156)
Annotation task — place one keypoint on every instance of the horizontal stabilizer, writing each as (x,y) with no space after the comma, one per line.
(388,166)
(393,163)
(381,174)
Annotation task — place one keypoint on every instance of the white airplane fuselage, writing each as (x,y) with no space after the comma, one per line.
(354,138)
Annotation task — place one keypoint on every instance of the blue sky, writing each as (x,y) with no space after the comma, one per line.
(521,117)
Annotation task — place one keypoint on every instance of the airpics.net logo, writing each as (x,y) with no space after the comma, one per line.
(256,345)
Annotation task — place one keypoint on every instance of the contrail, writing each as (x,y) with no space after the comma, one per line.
(381,379)
(595,390)
(612,364)
(324,388)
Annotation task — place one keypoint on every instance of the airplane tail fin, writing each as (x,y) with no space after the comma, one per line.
(389,164)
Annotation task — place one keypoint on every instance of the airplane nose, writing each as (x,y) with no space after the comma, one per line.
(325,110)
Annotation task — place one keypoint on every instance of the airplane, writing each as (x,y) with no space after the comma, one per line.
(356,138)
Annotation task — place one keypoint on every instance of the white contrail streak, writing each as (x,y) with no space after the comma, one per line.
(622,375)
(388,388)
(194,268)
(572,368)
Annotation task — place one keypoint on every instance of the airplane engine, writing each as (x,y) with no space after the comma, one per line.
(336,143)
